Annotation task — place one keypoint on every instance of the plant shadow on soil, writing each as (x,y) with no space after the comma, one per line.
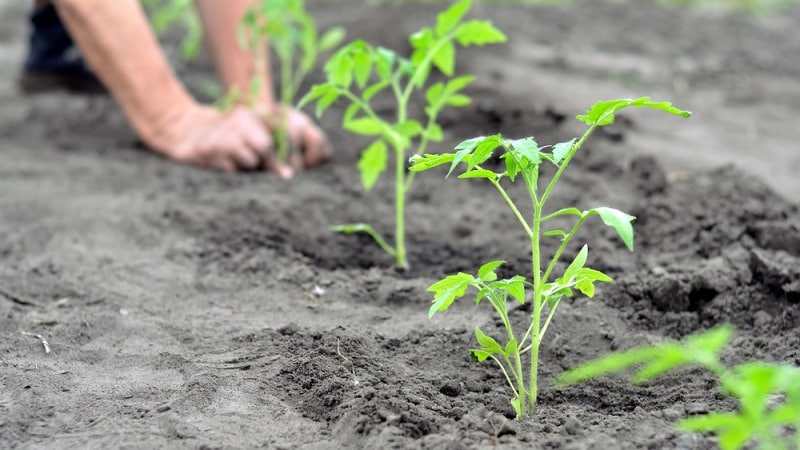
(199,309)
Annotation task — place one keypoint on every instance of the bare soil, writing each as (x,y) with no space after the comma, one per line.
(187,308)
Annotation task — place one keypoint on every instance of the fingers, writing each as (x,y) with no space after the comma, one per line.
(304,133)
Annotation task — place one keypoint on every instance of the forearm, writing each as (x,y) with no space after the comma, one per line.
(117,42)
(236,66)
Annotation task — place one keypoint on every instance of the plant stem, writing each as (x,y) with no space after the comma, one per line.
(287,92)
(564,242)
(399,208)
(537,304)
(513,207)
(565,162)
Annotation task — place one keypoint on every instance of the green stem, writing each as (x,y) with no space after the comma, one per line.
(287,92)
(400,186)
(505,373)
(564,242)
(537,304)
(550,315)
(513,207)
(574,149)
(423,145)
(426,62)
(399,208)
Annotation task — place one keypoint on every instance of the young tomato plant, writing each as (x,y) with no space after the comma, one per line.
(292,33)
(768,394)
(358,72)
(523,158)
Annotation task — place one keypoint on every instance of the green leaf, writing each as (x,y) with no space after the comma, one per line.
(384,63)
(331,38)
(516,287)
(448,19)
(458,100)
(516,403)
(362,67)
(408,129)
(429,161)
(608,364)
(458,83)
(445,59)
(594,275)
(483,151)
(487,342)
(447,290)
(602,113)
(713,340)
(478,32)
(526,147)
(371,91)
(620,221)
(512,347)
(734,431)
(434,93)
(422,40)
(479,355)
(372,163)
(586,287)
(479,173)
(671,356)
(561,150)
(458,157)
(340,67)
(512,167)
(563,212)
(317,91)
(326,101)
(434,133)
(577,264)
(366,126)
(486,271)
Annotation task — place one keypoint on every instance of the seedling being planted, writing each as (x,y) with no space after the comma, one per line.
(358,72)
(522,160)
(291,31)
(768,394)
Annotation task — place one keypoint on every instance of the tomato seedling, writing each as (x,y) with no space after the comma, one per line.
(359,71)
(292,33)
(768,393)
(523,158)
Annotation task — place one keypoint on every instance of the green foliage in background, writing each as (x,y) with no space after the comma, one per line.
(359,72)
(768,394)
(288,27)
(180,14)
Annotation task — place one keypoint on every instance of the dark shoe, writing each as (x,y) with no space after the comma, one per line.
(54,62)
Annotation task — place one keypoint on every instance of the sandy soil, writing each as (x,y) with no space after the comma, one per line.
(188,308)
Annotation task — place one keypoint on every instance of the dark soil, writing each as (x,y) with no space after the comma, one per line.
(188,308)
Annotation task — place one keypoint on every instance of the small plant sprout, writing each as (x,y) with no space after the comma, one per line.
(523,158)
(358,72)
(768,394)
(179,13)
(291,31)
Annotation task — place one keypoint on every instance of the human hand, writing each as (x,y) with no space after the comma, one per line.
(308,144)
(234,140)
(239,139)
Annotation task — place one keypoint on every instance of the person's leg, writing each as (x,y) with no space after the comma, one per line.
(53,60)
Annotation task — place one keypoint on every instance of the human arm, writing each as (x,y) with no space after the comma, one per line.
(118,43)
